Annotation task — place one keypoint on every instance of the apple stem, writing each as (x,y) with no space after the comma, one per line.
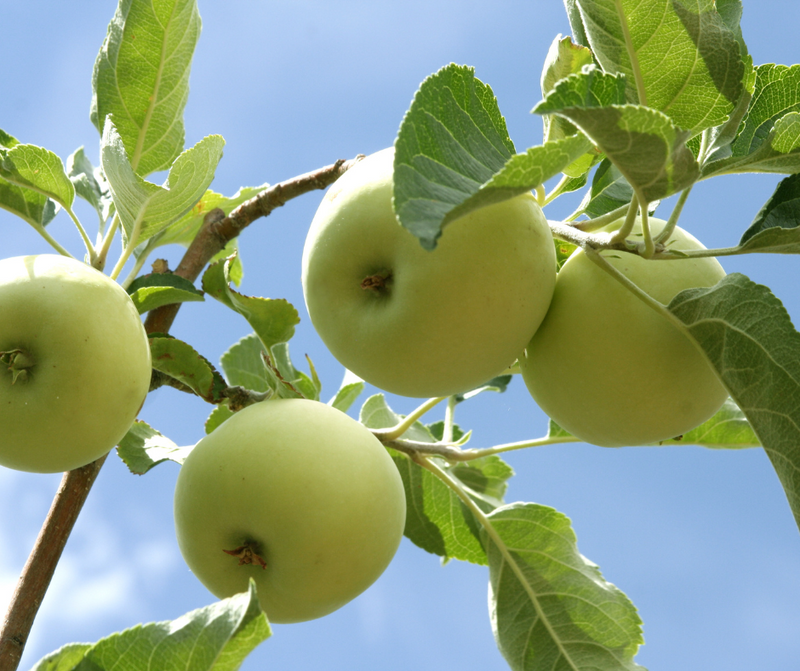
(246,554)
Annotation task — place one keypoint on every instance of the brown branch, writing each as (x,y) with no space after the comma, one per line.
(218,230)
(38,571)
(215,233)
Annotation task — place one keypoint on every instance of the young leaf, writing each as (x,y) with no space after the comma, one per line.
(215,638)
(151,291)
(776,227)
(273,319)
(768,140)
(749,339)
(38,169)
(181,361)
(550,606)
(351,388)
(646,147)
(145,208)
(141,77)
(678,57)
(143,447)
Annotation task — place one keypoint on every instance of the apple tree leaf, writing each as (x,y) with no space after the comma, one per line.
(350,389)
(141,78)
(218,415)
(497,384)
(776,227)
(273,319)
(151,291)
(38,169)
(143,447)
(727,429)
(609,191)
(215,638)
(144,208)
(643,143)
(181,361)
(684,54)
(550,606)
(243,364)
(768,139)
(749,340)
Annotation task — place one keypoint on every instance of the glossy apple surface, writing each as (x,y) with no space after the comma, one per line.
(424,323)
(76,365)
(308,490)
(609,369)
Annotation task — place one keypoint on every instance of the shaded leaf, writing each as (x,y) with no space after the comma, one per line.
(35,208)
(748,337)
(38,169)
(550,606)
(776,227)
(181,361)
(683,52)
(243,364)
(141,78)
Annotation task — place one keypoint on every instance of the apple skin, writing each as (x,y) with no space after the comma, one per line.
(314,491)
(91,363)
(450,319)
(609,369)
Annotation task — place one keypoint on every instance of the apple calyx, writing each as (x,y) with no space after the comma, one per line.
(246,554)
(379,282)
(19,362)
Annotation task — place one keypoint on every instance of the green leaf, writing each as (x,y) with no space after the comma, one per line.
(218,415)
(769,137)
(141,78)
(181,361)
(610,190)
(684,54)
(550,606)
(498,384)
(452,140)
(243,364)
(291,380)
(151,291)
(748,338)
(215,638)
(144,208)
(436,519)
(273,319)
(90,183)
(38,169)
(776,227)
(727,429)
(38,210)
(143,447)
(351,388)
(591,87)
(563,59)
(646,147)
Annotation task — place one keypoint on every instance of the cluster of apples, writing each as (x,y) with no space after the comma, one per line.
(600,362)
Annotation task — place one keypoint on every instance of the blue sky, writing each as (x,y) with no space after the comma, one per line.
(702,541)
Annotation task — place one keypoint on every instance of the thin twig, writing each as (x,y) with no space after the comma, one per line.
(218,230)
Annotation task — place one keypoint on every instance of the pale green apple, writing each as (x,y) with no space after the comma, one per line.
(296,495)
(424,323)
(611,370)
(74,363)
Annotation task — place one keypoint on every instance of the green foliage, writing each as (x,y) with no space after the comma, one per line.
(143,447)
(149,292)
(775,228)
(215,638)
(550,606)
(181,361)
(141,79)
(750,341)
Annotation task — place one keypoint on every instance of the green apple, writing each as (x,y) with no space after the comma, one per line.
(74,363)
(611,370)
(296,495)
(424,323)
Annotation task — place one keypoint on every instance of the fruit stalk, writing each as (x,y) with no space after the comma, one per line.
(38,571)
